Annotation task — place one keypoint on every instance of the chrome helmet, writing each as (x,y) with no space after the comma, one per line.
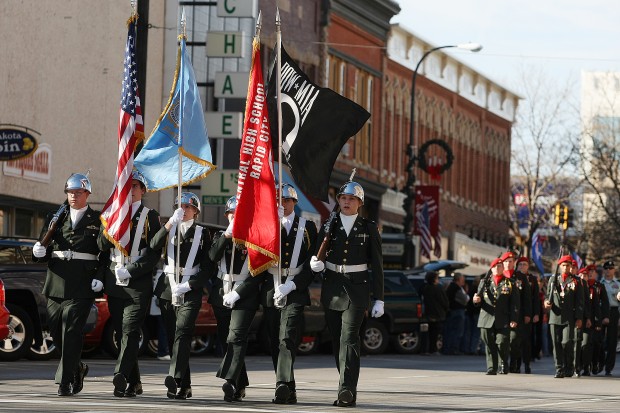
(231,204)
(289,192)
(139,177)
(78,181)
(188,198)
(352,188)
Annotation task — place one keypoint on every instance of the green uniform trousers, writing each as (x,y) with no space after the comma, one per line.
(284,329)
(563,337)
(67,318)
(497,346)
(344,327)
(127,315)
(222,315)
(180,323)
(236,345)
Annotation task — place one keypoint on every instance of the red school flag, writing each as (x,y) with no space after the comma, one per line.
(256,217)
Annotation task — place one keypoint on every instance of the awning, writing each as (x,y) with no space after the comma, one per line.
(304,207)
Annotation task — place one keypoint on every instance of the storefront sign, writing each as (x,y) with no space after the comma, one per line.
(37,167)
(16,144)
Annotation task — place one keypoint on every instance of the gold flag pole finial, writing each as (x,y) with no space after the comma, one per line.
(183,23)
(259,24)
(352,174)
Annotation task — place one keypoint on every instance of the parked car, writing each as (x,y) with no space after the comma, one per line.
(5,330)
(400,325)
(23,282)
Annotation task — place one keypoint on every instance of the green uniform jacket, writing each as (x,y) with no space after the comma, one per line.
(566,309)
(594,305)
(603,299)
(72,278)
(196,281)
(500,303)
(362,246)
(300,294)
(535,290)
(141,270)
(587,305)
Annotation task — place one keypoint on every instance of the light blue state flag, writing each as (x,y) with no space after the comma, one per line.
(159,159)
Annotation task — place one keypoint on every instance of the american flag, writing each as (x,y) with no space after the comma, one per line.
(116,214)
(437,237)
(537,252)
(423,221)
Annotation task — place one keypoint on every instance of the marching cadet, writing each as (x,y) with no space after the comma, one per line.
(354,244)
(612,287)
(180,294)
(523,266)
(283,300)
(72,280)
(129,286)
(587,317)
(522,288)
(221,253)
(499,312)
(565,301)
(598,348)
(593,323)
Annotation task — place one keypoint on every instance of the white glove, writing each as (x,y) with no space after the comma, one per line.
(176,217)
(618,297)
(286,288)
(96,286)
(38,250)
(181,288)
(228,232)
(316,265)
(121,273)
(377,309)
(280,211)
(231,298)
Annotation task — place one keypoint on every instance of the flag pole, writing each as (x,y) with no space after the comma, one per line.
(279,100)
(182,38)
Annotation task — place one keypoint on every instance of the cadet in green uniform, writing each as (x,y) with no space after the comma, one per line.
(354,245)
(587,318)
(499,312)
(523,265)
(564,299)
(72,281)
(610,329)
(180,295)
(283,300)
(129,286)
(594,322)
(241,293)
(221,253)
(598,348)
(522,288)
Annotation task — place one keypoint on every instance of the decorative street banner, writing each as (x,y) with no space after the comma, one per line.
(428,195)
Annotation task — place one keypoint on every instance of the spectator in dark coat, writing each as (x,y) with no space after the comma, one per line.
(455,322)
(435,308)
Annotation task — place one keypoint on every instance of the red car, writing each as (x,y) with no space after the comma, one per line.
(102,336)
(4,315)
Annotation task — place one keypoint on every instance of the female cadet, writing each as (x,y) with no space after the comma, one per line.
(180,295)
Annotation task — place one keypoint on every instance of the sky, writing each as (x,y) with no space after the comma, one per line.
(560,38)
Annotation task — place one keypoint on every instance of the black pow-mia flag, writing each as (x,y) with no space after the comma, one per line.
(317,122)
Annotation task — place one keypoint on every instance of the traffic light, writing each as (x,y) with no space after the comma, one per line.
(565,217)
(570,218)
(558,214)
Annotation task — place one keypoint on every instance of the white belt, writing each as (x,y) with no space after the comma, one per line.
(72,255)
(127,260)
(235,277)
(169,269)
(346,268)
(286,271)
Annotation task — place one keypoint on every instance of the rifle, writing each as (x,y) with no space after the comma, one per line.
(62,210)
(328,227)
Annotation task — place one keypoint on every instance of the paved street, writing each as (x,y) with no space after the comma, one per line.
(388,383)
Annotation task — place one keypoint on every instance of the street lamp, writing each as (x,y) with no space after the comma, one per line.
(410,186)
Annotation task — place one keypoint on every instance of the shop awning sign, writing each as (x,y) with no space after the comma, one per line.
(16,144)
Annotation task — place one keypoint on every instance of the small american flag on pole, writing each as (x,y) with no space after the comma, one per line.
(116,213)
(423,221)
